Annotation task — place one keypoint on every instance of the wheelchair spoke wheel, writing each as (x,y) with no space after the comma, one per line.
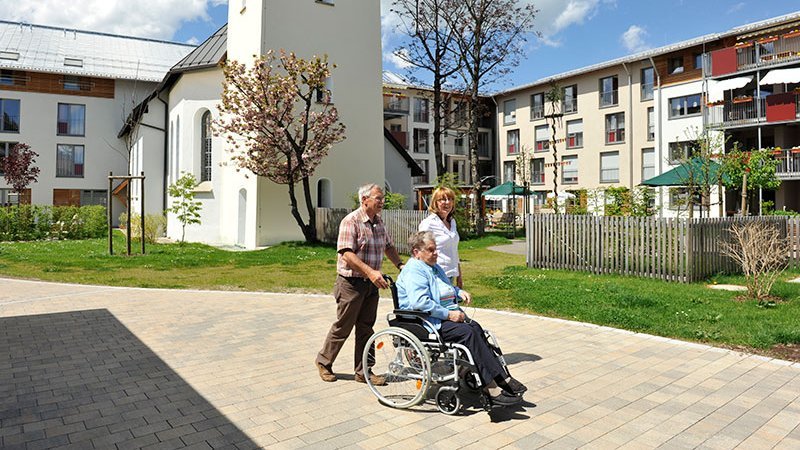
(403,361)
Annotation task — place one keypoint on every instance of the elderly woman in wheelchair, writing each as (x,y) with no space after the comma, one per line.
(432,349)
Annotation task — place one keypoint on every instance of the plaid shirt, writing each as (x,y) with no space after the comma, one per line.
(367,239)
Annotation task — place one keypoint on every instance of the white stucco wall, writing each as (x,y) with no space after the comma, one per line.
(103,151)
(309,29)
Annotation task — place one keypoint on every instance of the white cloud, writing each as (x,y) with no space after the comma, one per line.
(634,39)
(193,40)
(736,7)
(396,60)
(158,19)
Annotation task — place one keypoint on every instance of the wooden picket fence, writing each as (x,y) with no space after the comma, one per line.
(670,249)
(399,223)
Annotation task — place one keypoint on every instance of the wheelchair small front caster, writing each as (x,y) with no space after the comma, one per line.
(447,401)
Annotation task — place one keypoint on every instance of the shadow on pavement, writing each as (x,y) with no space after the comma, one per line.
(83,378)
(516,357)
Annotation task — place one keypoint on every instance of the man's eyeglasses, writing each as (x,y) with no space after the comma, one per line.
(378,199)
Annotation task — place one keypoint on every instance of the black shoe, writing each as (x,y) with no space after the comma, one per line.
(505,399)
(516,387)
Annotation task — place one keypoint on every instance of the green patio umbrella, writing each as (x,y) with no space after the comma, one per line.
(504,190)
(685,173)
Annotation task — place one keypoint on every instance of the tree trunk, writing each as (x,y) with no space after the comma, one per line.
(437,126)
(744,194)
(311,234)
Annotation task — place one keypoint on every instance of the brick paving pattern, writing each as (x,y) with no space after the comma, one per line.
(114,368)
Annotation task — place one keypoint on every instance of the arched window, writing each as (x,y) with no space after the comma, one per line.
(324,197)
(205,146)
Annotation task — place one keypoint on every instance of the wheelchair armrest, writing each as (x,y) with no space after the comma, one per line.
(410,313)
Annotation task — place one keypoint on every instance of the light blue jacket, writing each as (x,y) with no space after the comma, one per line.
(417,290)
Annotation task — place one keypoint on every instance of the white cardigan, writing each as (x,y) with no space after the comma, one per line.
(446,242)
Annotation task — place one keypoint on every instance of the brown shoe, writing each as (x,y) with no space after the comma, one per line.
(376,380)
(325,373)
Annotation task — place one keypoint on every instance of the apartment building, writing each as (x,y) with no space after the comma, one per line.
(753,92)
(66,94)
(624,121)
(408,115)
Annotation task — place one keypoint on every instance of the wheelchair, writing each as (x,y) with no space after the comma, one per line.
(419,366)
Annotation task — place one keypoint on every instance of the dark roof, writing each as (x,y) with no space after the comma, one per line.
(207,54)
(416,170)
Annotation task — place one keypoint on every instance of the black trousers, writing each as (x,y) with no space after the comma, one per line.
(471,335)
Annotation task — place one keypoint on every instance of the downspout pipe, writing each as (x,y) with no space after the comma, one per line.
(166,153)
(631,122)
(657,113)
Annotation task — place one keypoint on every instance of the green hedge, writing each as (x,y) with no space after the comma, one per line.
(36,222)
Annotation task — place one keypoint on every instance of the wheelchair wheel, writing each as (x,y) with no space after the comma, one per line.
(400,357)
(447,401)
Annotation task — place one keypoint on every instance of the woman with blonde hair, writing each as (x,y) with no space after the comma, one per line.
(443,226)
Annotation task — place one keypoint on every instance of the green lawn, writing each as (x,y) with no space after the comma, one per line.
(497,280)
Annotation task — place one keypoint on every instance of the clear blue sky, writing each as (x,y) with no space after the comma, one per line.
(576,33)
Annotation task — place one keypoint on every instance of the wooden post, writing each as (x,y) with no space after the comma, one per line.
(109,212)
(744,194)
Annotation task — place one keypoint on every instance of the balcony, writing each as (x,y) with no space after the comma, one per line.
(401,137)
(782,107)
(741,111)
(763,52)
(788,163)
(394,105)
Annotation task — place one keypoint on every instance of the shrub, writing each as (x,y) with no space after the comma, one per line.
(36,222)
(155,225)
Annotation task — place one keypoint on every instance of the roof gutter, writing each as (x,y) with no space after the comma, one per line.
(657,113)
(631,122)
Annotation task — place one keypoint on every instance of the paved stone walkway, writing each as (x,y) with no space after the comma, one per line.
(100,367)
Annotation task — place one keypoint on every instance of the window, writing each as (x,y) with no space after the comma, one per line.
(326,2)
(458,143)
(483,145)
(420,110)
(324,193)
(459,113)
(680,151)
(609,167)
(679,198)
(8,197)
(537,106)
(75,83)
(615,128)
(684,106)
(510,112)
(651,124)
(509,171)
(648,163)
(542,137)
(94,197)
(69,161)
(575,133)
(569,170)
(420,140)
(608,91)
(5,149)
(675,65)
(205,147)
(537,171)
(647,83)
(512,146)
(698,60)
(9,109)
(569,99)
(7,77)
(422,179)
(71,119)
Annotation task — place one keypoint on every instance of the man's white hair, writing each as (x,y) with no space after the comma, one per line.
(366,189)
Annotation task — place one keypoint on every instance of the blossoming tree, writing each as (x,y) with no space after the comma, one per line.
(18,167)
(278,116)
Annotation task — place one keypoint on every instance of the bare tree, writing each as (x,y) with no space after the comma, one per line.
(431,50)
(761,252)
(554,97)
(489,39)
